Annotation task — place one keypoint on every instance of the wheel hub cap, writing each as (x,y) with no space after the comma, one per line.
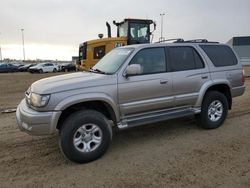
(215,110)
(87,138)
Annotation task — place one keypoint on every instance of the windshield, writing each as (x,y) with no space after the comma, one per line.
(111,62)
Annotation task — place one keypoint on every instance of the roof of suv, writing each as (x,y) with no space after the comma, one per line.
(178,42)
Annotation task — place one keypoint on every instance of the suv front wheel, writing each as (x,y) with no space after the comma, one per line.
(85,136)
(214,110)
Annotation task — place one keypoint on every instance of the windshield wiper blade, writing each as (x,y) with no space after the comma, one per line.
(97,71)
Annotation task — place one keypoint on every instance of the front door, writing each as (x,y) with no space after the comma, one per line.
(152,89)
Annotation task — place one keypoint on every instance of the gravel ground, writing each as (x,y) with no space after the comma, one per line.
(174,153)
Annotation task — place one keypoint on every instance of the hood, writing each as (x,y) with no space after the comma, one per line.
(71,81)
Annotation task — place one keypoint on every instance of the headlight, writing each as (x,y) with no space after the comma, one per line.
(37,100)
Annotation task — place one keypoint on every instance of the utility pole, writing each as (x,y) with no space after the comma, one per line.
(23,44)
(162,38)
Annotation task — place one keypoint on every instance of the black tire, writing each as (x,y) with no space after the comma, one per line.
(204,119)
(40,70)
(54,70)
(70,128)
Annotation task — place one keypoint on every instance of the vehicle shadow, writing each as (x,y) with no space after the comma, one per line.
(168,130)
(45,151)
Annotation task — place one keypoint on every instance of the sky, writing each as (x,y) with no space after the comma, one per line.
(53,29)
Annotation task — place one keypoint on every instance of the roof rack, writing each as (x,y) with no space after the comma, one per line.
(196,41)
(180,40)
(167,40)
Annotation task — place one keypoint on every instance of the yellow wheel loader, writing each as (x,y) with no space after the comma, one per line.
(129,31)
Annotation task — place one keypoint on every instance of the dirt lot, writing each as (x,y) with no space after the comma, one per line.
(169,154)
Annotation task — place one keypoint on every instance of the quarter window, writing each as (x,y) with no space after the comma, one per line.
(220,55)
(184,58)
(152,60)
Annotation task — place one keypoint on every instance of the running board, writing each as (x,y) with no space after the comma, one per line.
(156,116)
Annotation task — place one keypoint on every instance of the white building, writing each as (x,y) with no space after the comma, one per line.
(241,46)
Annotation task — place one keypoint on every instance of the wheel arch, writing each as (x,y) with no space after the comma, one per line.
(222,87)
(101,105)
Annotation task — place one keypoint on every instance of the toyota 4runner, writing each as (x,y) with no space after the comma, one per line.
(131,86)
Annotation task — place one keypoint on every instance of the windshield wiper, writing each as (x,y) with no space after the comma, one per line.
(97,71)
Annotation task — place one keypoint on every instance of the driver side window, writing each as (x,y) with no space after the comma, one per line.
(152,60)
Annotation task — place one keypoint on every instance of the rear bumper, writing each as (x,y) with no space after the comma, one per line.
(238,91)
(36,123)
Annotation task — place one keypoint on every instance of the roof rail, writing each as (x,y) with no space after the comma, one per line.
(167,40)
(180,40)
(196,41)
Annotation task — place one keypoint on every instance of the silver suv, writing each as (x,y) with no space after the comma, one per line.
(131,86)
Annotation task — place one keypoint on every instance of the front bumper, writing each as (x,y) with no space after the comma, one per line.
(34,122)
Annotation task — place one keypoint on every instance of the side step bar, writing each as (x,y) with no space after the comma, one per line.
(156,116)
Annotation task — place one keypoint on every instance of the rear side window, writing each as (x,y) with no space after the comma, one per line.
(220,55)
(184,58)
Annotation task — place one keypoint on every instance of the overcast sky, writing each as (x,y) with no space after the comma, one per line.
(53,29)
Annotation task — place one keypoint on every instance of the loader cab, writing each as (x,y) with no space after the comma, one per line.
(135,30)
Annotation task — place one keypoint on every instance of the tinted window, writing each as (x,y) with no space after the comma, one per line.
(99,52)
(220,55)
(241,41)
(184,58)
(152,60)
(198,61)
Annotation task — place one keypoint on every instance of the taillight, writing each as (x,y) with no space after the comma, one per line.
(243,76)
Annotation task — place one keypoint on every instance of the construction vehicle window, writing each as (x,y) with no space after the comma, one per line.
(139,32)
(123,30)
(83,51)
(99,52)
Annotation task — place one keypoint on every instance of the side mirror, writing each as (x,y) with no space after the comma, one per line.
(133,69)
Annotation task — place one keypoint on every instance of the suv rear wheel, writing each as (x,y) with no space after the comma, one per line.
(214,110)
(85,136)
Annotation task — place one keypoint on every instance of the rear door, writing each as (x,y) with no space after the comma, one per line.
(189,74)
(150,90)
(48,67)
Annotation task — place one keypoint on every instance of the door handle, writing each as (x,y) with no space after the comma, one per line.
(163,82)
(204,77)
